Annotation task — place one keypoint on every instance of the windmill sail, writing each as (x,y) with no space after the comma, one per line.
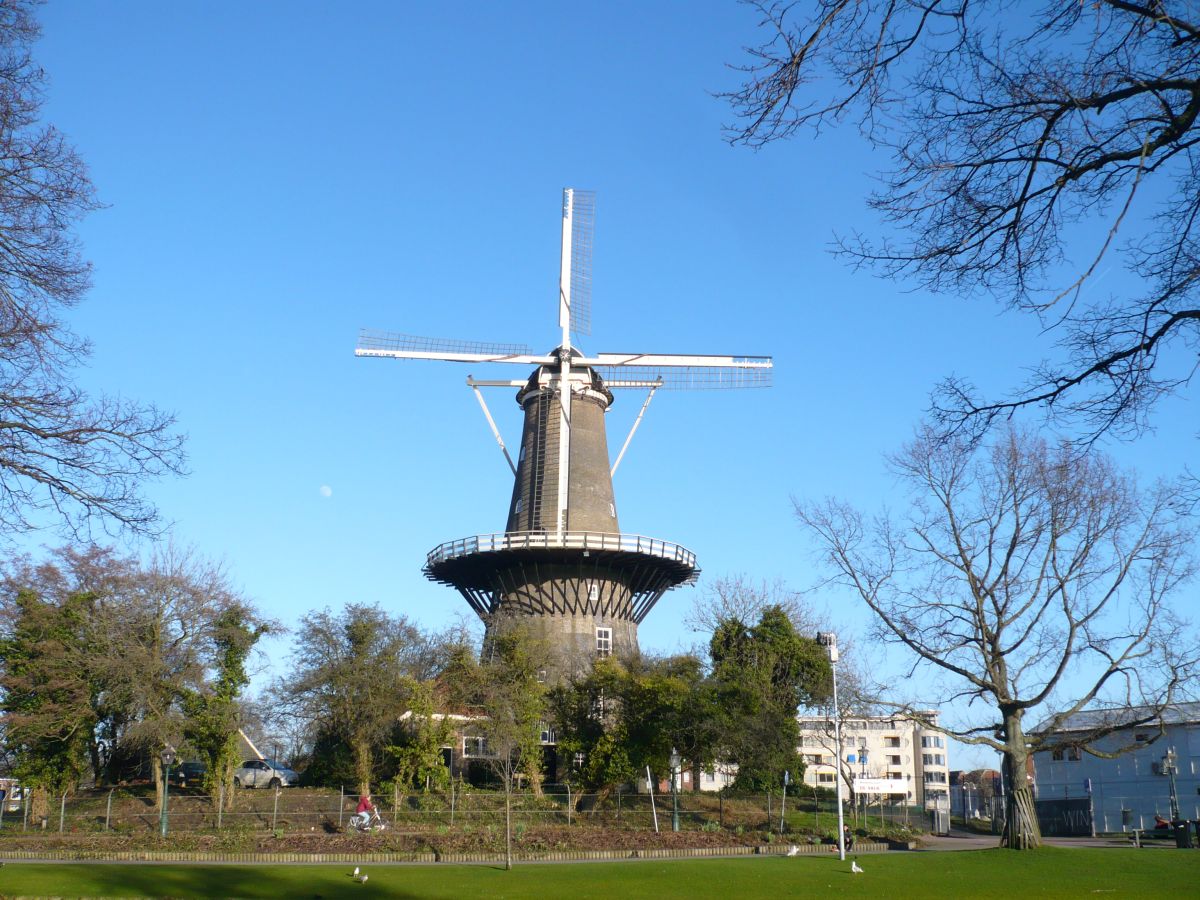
(583,227)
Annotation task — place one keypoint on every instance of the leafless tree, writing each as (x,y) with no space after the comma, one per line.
(1028,581)
(740,597)
(64,457)
(1014,138)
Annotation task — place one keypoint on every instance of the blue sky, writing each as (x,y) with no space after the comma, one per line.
(279,175)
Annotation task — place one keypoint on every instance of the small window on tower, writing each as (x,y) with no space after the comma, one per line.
(520,507)
(612,509)
(603,642)
(593,592)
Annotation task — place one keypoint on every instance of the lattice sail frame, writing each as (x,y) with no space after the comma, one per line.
(583,228)
(687,378)
(395,342)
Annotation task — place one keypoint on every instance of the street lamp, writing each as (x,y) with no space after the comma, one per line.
(168,759)
(828,640)
(1169,769)
(674,794)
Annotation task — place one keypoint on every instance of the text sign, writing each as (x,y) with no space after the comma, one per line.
(880,786)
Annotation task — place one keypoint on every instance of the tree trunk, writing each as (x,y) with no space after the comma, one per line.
(39,805)
(156,769)
(362,766)
(1021,830)
(97,765)
(508,822)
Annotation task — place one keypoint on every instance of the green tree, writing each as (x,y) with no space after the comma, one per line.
(125,644)
(763,674)
(417,752)
(351,678)
(623,717)
(49,702)
(506,693)
(211,713)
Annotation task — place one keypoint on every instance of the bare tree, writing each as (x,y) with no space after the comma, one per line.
(740,597)
(63,456)
(1029,581)
(1007,133)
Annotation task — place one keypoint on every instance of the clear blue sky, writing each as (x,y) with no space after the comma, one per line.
(279,175)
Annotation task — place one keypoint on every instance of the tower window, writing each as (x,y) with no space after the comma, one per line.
(603,642)
(593,592)
(520,507)
(612,509)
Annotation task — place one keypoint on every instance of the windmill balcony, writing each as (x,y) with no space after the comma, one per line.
(571,540)
(575,573)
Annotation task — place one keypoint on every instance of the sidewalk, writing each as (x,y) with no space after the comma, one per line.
(961,839)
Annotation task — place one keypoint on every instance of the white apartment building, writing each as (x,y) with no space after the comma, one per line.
(896,748)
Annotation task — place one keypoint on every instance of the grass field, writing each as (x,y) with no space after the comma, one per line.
(1050,872)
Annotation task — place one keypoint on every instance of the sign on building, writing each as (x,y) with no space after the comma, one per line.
(880,786)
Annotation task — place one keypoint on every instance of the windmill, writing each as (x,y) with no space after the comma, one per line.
(562,564)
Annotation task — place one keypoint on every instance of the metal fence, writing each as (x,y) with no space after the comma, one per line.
(308,809)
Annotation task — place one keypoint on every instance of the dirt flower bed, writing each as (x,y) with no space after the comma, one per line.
(433,840)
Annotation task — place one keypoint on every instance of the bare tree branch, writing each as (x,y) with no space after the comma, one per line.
(1007,133)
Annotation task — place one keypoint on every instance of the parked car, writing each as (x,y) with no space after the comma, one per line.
(188,774)
(264,773)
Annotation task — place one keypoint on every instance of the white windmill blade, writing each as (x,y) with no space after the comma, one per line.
(575,263)
(394,345)
(681,372)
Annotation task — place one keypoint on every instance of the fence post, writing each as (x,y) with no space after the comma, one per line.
(452,803)
(25,818)
(108,811)
(3,803)
(568,803)
(768,810)
(62,812)
(275,811)
(341,803)
(653,809)
(618,804)
(220,804)
(721,799)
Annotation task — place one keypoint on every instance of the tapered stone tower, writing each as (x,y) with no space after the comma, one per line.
(562,565)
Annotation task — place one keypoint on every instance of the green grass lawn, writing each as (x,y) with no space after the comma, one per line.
(1050,872)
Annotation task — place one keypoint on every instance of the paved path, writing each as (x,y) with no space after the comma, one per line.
(961,839)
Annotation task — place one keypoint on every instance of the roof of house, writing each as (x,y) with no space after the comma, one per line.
(1088,719)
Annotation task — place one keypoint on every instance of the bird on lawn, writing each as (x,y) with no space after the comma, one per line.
(855,867)
(361,879)
(793,850)
(355,872)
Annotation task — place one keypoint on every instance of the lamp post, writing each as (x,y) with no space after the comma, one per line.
(828,640)
(1168,769)
(674,794)
(168,759)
